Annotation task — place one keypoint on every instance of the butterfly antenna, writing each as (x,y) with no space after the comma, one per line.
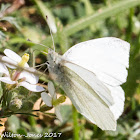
(52,40)
(51,36)
(38,43)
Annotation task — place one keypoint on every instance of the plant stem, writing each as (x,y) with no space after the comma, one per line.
(75,124)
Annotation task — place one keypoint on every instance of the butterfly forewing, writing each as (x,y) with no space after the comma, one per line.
(107,57)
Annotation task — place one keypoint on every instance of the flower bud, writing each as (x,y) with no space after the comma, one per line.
(33,97)
(26,106)
(15,104)
(45,108)
(61,99)
(11,95)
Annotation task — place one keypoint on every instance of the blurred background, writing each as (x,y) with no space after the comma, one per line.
(72,22)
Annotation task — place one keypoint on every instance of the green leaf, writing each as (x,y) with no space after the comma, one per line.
(32,121)
(89,10)
(32,33)
(46,12)
(25,125)
(61,37)
(1,90)
(13,123)
(2,35)
(22,131)
(66,111)
(133,75)
(65,13)
(100,15)
(11,20)
(3,8)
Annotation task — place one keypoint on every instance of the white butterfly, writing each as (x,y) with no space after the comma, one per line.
(91,73)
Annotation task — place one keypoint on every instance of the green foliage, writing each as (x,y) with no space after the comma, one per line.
(10,20)
(14,123)
(100,15)
(1,90)
(4,7)
(2,35)
(76,21)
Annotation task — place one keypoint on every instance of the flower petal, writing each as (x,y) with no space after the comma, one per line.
(58,114)
(46,99)
(3,69)
(7,80)
(30,77)
(5,58)
(12,55)
(51,89)
(34,88)
(26,65)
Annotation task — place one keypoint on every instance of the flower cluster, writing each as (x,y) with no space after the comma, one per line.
(15,77)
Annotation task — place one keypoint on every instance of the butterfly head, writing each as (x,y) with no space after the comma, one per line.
(53,57)
(54,63)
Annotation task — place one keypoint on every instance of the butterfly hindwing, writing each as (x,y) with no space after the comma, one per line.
(85,98)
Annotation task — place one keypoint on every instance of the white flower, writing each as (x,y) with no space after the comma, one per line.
(3,69)
(52,100)
(19,77)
